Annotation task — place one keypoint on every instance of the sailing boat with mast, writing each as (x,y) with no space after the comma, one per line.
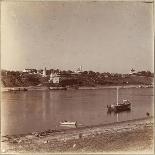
(118,107)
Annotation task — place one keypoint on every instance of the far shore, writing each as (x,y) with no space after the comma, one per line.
(81,87)
(134,136)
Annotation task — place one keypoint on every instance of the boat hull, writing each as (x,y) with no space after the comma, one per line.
(122,108)
(119,107)
(68,123)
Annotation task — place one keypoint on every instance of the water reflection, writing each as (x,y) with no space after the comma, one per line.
(24,106)
(44,105)
(118,114)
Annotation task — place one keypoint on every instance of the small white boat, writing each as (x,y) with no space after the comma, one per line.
(68,123)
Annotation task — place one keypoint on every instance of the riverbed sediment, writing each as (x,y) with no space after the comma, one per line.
(128,136)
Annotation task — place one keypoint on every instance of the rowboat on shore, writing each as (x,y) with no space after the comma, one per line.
(118,107)
(68,123)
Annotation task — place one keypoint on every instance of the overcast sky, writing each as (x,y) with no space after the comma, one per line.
(100,36)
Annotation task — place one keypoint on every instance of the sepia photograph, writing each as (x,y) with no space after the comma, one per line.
(77,77)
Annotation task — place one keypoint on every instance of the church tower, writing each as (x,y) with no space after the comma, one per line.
(44,72)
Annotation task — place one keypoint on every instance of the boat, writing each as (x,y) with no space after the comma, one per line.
(57,88)
(126,105)
(17,89)
(118,107)
(68,123)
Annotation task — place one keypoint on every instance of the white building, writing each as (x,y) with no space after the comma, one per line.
(44,72)
(79,70)
(26,70)
(30,71)
(54,78)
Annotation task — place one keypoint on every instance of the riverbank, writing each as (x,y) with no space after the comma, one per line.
(128,136)
(30,88)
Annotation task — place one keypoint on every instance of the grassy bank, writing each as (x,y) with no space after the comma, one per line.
(129,136)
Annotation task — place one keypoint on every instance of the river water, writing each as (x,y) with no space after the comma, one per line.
(24,112)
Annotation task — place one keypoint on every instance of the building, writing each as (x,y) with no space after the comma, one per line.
(57,78)
(132,71)
(54,78)
(30,71)
(79,70)
(40,71)
(44,72)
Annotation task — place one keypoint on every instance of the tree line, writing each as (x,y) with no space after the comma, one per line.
(85,78)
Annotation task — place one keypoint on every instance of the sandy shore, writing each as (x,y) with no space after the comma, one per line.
(130,136)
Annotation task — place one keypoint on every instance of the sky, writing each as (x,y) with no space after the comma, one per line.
(101,36)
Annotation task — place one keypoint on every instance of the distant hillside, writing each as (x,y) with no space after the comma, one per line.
(130,80)
(17,81)
(142,80)
(14,79)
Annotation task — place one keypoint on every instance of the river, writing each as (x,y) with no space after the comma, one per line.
(29,111)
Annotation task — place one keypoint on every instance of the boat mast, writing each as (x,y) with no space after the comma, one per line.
(117,95)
